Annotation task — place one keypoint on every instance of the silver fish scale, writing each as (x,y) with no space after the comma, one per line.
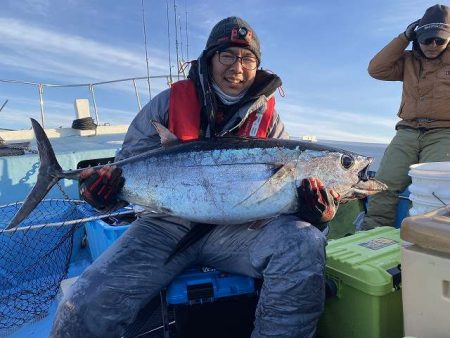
(217,186)
(221,186)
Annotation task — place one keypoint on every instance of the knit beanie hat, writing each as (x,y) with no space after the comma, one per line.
(434,24)
(233,32)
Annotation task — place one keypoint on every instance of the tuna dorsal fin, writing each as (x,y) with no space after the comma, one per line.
(167,137)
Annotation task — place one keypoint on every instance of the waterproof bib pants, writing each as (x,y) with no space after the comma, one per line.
(409,146)
(287,253)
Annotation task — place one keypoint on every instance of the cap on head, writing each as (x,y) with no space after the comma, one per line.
(434,24)
(233,32)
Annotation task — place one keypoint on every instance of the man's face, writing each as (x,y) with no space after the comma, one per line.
(433,47)
(234,77)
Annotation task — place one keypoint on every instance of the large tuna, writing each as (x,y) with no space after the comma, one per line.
(218,181)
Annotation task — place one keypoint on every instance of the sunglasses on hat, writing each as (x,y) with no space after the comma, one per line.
(437,41)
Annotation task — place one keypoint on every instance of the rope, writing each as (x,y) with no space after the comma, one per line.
(86,123)
(15,149)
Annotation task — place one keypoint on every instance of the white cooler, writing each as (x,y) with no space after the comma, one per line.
(426,274)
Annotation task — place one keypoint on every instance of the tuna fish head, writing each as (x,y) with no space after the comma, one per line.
(343,171)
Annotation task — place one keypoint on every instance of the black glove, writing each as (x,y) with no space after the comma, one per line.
(100,187)
(410,32)
(316,205)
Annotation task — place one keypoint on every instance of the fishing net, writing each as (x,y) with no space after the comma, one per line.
(34,259)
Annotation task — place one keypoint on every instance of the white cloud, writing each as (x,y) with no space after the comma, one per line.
(34,50)
(335,125)
(48,56)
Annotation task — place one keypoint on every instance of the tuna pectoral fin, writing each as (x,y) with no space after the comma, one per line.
(49,173)
(280,176)
(196,233)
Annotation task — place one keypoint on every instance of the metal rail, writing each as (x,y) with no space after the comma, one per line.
(91,88)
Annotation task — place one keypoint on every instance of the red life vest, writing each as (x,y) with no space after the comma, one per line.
(184,114)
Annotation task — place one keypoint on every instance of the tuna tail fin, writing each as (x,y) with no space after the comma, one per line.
(197,232)
(50,172)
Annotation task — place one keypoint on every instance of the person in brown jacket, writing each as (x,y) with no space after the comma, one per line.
(423,133)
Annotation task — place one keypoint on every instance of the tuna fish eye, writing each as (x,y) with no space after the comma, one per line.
(347,161)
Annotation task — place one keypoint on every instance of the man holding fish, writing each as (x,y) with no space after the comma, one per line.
(226,94)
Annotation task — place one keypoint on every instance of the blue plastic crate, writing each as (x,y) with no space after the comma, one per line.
(196,287)
(100,234)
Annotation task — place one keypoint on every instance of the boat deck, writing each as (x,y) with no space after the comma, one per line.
(18,173)
(41,328)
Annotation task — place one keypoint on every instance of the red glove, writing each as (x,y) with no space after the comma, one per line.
(100,187)
(316,205)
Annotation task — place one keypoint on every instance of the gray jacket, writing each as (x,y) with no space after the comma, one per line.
(142,136)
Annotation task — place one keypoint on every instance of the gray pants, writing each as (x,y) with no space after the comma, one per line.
(287,253)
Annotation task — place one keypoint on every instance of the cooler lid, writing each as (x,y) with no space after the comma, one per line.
(368,260)
(429,231)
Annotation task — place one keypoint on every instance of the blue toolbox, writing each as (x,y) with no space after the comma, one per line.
(201,285)
(205,300)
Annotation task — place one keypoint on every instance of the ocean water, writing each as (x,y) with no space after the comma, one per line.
(375,150)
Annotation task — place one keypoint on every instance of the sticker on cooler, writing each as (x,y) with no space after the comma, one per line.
(378,243)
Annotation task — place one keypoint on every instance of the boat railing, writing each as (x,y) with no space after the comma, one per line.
(91,88)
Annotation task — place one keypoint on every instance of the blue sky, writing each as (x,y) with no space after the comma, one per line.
(320,49)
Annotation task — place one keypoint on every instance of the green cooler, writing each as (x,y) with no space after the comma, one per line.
(364,277)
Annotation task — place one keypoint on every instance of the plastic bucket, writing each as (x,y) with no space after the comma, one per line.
(430,187)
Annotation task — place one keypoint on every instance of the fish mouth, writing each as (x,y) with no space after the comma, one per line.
(367,185)
(367,188)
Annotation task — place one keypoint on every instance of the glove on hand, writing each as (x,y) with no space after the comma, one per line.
(316,204)
(100,187)
(410,32)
